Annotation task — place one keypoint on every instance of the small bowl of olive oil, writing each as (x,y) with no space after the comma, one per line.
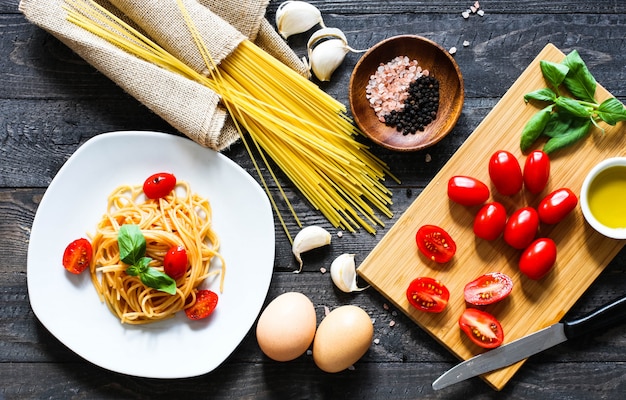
(603,197)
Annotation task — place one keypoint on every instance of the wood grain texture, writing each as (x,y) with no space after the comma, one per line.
(532,305)
(51,102)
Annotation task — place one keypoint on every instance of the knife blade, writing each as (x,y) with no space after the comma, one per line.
(520,349)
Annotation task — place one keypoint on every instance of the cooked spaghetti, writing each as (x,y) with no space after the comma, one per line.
(180,218)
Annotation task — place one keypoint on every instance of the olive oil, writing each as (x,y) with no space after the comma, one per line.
(607,197)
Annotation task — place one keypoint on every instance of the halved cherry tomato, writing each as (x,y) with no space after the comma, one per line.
(435,243)
(428,294)
(77,256)
(467,191)
(159,185)
(175,262)
(505,173)
(205,304)
(482,328)
(521,228)
(536,171)
(490,221)
(555,206)
(488,289)
(537,260)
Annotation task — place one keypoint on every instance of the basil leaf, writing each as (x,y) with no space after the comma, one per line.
(158,280)
(133,270)
(578,129)
(139,267)
(545,94)
(534,127)
(132,244)
(612,111)
(553,73)
(579,80)
(558,125)
(572,107)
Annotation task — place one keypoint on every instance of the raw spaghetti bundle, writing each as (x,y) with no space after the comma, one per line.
(180,218)
(190,107)
(305,132)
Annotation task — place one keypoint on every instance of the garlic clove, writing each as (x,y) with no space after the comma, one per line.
(293,17)
(324,33)
(326,57)
(327,49)
(309,238)
(343,274)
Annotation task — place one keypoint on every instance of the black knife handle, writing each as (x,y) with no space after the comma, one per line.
(602,318)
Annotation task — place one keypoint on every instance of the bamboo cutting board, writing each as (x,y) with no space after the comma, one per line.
(532,305)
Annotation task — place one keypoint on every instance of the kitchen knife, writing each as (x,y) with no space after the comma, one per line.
(526,346)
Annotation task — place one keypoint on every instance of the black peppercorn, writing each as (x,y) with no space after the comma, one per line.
(420,108)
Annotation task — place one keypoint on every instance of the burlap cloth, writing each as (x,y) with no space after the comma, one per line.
(189,107)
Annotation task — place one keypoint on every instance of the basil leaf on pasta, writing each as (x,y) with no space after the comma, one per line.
(132,244)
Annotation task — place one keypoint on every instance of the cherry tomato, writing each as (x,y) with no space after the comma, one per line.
(159,185)
(428,294)
(205,304)
(482,328)
(490,221)
(467,191)
(521,228)
(435,243)
(536,171)
(488,289)
(505,173)
(175,262)
(537,260)
(555,206)
(77,256)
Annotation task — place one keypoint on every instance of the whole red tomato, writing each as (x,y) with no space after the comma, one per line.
(490,221)
(555,206)
(537,260)
(521,228)
(536,171)
(175,262)
(467,191)
(505,173)
(435,243)
(159,185)
(482,328)
(428,294)
(77,256)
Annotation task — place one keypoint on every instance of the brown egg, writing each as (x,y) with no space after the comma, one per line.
(342,338)
(286,327)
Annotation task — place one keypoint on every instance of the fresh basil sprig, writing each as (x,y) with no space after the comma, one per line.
(132,245)
(566,120)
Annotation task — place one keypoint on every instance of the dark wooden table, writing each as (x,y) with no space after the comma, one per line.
(51,102)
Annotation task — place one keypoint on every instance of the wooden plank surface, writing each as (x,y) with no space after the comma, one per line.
(51,102)
(532,305)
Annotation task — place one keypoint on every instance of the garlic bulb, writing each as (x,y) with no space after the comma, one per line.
(327,49)
(293,17)
(343,273)
(309,238)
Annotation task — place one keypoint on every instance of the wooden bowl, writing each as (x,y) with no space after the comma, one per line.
(430,56)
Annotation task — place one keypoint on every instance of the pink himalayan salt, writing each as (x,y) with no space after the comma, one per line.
(388,87)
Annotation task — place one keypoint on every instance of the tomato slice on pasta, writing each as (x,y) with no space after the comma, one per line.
(205,304)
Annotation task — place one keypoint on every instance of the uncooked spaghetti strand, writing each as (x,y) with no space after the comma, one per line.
(311,192)
(307,99)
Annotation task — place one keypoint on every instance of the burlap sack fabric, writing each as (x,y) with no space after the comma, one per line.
(189,107)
